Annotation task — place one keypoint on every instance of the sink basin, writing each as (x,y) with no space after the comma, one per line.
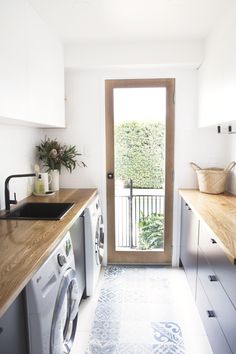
(39,211)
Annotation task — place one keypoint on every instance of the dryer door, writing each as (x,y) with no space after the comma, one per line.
(65,315)
(99,240)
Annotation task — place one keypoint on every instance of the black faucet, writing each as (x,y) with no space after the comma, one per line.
(9,201)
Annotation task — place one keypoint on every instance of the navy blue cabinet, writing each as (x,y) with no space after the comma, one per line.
(214,332)
(189,245)
(218,278)
(13,337)
(212,279)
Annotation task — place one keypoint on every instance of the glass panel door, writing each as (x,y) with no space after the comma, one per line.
(140,131)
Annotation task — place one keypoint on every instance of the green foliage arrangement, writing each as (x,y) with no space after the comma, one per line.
(139,153)
(151,232)
(54,155)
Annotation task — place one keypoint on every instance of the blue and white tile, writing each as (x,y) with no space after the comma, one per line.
(140,310)
(108,312)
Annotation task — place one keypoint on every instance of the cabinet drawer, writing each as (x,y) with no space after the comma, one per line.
(222,306)
(223,268)
(214,332)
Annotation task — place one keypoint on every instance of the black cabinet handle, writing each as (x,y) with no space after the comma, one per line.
(188,206)
(212,277)
(211,313)
(213,240)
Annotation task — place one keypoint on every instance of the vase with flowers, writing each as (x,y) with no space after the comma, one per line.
(54,156)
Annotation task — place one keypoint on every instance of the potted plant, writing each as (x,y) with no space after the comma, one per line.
(55,155)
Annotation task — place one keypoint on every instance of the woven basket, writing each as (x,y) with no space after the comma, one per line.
(212,180)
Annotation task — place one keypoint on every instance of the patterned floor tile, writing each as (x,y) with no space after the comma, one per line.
(111,295)
(96,347)
(106,331)
(108,312)
(168,332)
(127,348)
(134,314)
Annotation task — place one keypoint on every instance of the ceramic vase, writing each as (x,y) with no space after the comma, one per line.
(54,184)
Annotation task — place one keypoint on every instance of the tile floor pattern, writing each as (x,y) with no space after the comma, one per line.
(124,321)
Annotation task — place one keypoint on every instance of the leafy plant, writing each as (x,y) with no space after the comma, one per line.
(54,155)
(151,231)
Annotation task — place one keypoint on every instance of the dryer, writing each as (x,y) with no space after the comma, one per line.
(94,243)
(52,303)
(77,237)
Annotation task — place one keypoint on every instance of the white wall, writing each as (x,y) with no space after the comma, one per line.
(85,114)
(17,155)
(141,53)
(231,156)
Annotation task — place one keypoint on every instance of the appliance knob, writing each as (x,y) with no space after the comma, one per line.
(61,259)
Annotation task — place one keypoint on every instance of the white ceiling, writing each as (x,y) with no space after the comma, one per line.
(131,20)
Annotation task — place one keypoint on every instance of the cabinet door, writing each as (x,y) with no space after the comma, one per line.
(13,60)
(13,331)
(226,314)
(189,244)
(214,332)
(45,75)
(31,68)
(223,268)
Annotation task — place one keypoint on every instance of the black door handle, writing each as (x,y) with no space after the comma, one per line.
(110,175)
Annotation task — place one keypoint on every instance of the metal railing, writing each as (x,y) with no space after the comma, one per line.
(130,208)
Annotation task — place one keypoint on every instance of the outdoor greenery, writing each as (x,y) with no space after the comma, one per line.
(139,153)
(151,232)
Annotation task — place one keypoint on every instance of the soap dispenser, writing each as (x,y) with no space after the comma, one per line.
(39,185)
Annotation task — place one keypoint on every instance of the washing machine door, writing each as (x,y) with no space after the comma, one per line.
(65,315)
(99,241)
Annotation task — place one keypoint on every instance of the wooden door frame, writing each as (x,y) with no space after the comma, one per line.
(130,257)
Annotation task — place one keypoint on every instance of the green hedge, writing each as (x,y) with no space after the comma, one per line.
(139,153)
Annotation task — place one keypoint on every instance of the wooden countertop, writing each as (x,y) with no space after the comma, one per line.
(25,245)
(218,212)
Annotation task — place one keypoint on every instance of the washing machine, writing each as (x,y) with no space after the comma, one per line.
(77,238)
(94,244)
(52,303)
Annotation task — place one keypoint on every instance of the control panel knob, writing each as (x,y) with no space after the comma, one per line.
(61,259)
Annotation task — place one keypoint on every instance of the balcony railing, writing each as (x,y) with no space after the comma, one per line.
(130,209)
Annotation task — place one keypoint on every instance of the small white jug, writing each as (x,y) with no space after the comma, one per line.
(54,184)
(46,180)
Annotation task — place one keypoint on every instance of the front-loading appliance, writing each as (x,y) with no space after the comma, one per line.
(94,243)
(52,303)
(77,237)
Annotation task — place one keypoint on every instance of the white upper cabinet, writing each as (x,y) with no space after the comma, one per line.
(31,68)
(13,59)
(217,75)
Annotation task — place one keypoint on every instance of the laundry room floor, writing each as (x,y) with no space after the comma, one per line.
(140,310)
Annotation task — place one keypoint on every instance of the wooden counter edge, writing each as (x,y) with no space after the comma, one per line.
(4,306)
(182,193)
